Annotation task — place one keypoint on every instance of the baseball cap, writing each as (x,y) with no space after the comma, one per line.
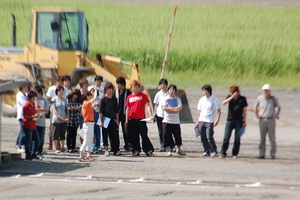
(266,87)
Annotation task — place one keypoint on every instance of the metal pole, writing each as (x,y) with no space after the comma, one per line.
(14,30)
(168,44)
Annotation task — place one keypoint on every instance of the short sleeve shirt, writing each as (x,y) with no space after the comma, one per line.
(235,107)
(87,111)
(43,104)
(171,118)
(109,107)
(21,99)
(29,110)
(266,107)
(61,107)
(208,108)
(137,103)
(158,100)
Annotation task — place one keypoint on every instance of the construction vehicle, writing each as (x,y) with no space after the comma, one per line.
(59,46)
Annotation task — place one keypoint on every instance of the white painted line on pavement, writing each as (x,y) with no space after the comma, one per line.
(257,184)
(137,180)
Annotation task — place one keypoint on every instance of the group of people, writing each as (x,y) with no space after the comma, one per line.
(267,110)
(98,112)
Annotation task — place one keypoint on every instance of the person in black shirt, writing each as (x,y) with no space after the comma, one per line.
(236,119)
(121,94)
(109,120)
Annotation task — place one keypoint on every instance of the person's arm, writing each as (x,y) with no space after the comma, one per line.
(100,119)
(197,122)
(26,115)
(172,109)
(149,111)
(227,100)
(218,117)
(278,112)
(244,116)
(127,115)
(155,108)
(95,96)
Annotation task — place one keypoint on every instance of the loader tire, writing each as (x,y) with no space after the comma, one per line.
(9,107)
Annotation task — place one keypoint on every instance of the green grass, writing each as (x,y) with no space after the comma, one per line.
(220,45)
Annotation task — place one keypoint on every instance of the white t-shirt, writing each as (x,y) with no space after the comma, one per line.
(208,108)
(171,118)
(21,99)
(51,91)
(158,99)
(101,94)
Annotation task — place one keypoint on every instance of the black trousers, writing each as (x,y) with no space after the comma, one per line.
(112,133)
(71,137)
(137,128)
(169,130)
(124,130)
(161,134)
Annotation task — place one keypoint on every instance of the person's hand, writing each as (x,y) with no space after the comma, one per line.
(101,124)
(197,124)
(216,123)
(126,123)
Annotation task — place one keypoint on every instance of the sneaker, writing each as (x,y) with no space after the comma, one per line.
(169,154)
(261,157)
(174,149)
(222,155)
(162,149)
(37,157)
(205,154)
(149,153)
(118,153)
(213,154)
(99,149)
(273,157)
(135,154)
(106,153)
(94,148)
(57,151)
(20,150)
(181,153)
(234,157)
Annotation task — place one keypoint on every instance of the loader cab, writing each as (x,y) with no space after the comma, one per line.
(63,30)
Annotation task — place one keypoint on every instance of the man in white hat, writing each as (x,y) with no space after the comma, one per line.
(267,110)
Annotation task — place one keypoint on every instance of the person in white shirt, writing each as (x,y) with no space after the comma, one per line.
(96,106)
(159,116)
(67,86)
(171,123)
(21,99)
(50,95)
(209,113)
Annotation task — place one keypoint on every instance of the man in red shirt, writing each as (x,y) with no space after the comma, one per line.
(30,116)
(135,113)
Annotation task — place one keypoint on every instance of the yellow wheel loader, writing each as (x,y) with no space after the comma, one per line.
(59,46)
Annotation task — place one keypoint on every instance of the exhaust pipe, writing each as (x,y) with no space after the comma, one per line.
(14,30)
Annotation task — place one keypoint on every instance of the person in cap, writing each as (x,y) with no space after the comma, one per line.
(267,110)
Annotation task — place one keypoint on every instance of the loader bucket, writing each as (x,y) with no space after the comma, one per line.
(185,115)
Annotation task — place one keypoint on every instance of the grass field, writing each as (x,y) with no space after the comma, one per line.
(221,45)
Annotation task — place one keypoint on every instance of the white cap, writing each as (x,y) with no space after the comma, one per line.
(266,87)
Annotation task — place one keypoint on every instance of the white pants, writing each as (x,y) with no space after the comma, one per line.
(88,133)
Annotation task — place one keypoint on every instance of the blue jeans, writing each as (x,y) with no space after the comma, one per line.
(21,137)
(207,137)
(41,132)
(32,142)
(236,124)
(97,130)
